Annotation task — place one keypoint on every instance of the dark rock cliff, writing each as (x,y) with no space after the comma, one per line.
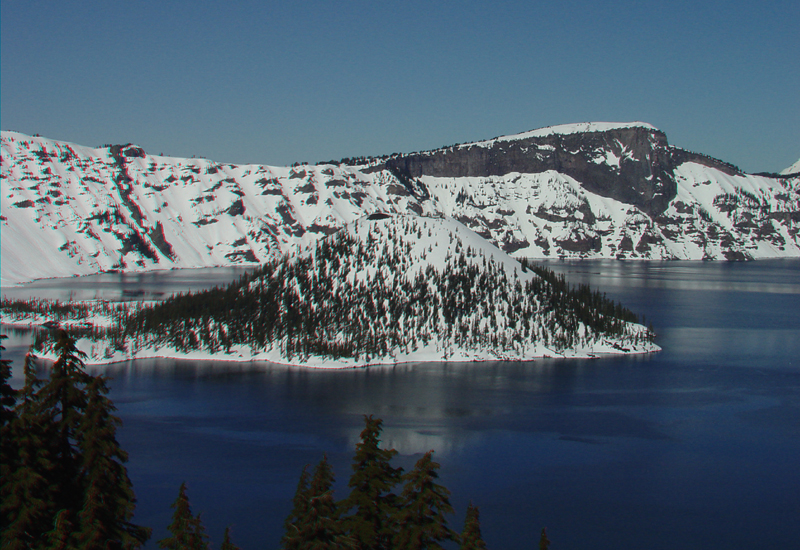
(633,165)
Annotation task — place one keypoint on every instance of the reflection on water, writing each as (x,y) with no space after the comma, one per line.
(765,276)
(148,285)
(662,441)
(695,446)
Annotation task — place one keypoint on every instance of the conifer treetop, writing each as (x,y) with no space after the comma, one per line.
(226,541)
(372,500)
(187,531)
(425,504)
(471,538)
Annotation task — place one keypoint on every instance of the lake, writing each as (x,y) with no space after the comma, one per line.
(697,446)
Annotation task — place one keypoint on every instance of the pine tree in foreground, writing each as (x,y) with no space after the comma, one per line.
(295,521)
(544,542)
(65,483)
(372,524)
(187,530)
(60,538)
(28,490)
(63,397)
(471,538)
(425,504)
(226,541)
(7,416)
(314,521)
(109,500)
(323,530)
(7,393)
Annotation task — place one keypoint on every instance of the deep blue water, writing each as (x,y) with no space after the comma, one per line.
(694,447)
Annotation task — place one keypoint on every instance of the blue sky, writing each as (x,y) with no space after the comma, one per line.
(279,82)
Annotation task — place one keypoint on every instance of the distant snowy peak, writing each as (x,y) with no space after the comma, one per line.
(567,129)
(793,169)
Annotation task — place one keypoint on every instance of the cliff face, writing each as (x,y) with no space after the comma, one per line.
(632,165)
(595,190)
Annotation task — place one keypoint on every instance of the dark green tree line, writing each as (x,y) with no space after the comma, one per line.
(374,516)
(64,480)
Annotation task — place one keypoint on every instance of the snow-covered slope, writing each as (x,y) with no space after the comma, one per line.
(564,130)
(793,169)
(382,290)
(591,190)
(71,210)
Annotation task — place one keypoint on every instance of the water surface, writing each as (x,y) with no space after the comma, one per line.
(693,447)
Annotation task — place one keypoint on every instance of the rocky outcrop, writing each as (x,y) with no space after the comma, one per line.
(632,164)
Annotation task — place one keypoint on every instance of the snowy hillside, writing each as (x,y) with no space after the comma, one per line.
(793,169)
(564,130)
(70,210)
(592,190)
(382,290)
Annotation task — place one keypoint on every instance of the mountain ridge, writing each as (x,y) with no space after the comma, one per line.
(619,192)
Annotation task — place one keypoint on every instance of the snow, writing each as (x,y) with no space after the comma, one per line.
(702,189)
(64,215)
(566,129)
(424,243)
(793,169)
(426,354)
(60,235)
(435,232)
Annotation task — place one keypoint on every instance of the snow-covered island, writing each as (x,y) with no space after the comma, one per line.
(383,290)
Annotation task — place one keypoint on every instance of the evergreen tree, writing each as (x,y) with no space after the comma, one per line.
(28,489)
(372,524)
(320,529)
(471,538)
(7,393)
(226,541)
(187,530)
(544,542)
(295,522)
(66,483)
(324,530)
(60,538)
(7,417)
(425,504)
(64,399)
(109,501)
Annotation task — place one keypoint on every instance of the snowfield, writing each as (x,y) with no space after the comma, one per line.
(71,210)
(566,129)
